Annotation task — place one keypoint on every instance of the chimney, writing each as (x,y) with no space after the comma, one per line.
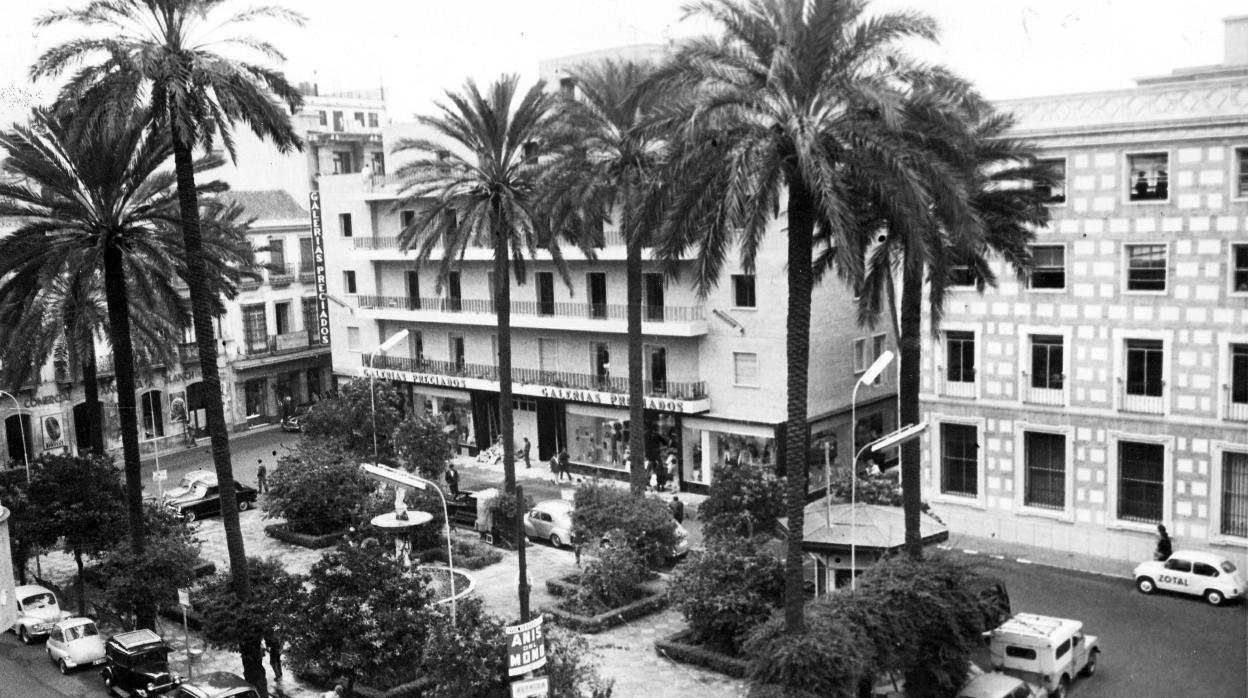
(1236,41)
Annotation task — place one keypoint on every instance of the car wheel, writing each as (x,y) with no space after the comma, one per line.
(63,666)
(243,505)
(188,516)
(108,678)
(1214,597)
(1145,585)
(556,541)
(1062,688)
(23,635)
(1090,668)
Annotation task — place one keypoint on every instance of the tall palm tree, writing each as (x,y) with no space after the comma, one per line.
(609,158)
(795,106)
(160,54)
(98,204)
(477,183)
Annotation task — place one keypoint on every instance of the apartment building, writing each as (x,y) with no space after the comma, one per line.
(1110,394)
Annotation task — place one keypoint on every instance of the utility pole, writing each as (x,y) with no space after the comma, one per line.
(522,578)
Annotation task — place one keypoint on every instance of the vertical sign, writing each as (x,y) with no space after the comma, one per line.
(318,259)
(526,647)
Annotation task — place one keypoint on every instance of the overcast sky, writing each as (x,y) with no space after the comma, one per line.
(417,48)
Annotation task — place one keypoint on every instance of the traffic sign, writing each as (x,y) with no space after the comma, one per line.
(184,597)
(160,475)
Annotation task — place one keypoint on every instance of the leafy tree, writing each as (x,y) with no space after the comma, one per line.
(26,532)
(646,525)
(744,501)
(268,613)
(826,660)
(422,447)
(789,111)
(726,591)
(348,419)
(570,667)
(82,501)
(138,583)
(505,513)
(468,658)
(317,487)
(609,581)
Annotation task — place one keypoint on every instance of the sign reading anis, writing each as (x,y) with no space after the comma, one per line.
(318,261)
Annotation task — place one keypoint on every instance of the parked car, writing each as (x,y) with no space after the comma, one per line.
(1044,650)
(550,519)
(37,611)
(678,550)
(219,684)
(198,495)
(75,642)
(1193,572)
(995,684)
(136,663)
(294,423)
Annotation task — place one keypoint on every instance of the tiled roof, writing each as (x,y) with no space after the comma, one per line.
(268,205)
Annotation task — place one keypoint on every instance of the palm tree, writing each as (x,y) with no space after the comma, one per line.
(159,53)
(608,161)
(96,208)
(477,185)
(795,107)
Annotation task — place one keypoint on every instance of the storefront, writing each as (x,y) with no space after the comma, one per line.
(708,442)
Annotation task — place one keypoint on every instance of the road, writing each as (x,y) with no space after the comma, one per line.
(247,451)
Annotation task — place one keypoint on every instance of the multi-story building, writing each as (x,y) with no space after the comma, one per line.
(1110,393)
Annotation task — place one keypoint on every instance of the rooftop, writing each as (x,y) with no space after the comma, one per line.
(269,205)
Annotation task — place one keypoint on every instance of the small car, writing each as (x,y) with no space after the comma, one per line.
(37,612)
(136,663)
(1194,572)
(219,684)
(1044,650)
(995,684)
(294,423)
(198,495)
(552,520)
(75,642)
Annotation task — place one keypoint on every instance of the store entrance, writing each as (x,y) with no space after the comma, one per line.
(551,422)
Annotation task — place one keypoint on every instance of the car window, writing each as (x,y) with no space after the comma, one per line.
(1063,648)
(1227,567)
(1020,691)
(1020,652)
(38,600)
(1178,565)
(1204,570)
(55,635)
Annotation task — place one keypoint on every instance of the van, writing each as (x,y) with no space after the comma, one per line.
(1043,650)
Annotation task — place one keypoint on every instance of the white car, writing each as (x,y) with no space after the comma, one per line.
(552,520)
(1194,572)
(37,612)
(75,642)
(995,684)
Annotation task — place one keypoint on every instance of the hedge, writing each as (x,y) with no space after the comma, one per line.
(647,604)
(284,534)
(677,648)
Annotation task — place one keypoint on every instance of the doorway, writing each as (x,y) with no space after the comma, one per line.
(551,426)
(597,292)
(654,297)
(151,403)
(82,427)
(545,293)
(19,437)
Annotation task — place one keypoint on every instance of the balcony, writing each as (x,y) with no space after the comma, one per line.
(1236,405)
(1053,396)
(254,350)
(1142,397)
(307,273)
(188,354)
(280,274)
(609,243)
(949,387)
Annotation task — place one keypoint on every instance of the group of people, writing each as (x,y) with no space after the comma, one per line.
(663,471)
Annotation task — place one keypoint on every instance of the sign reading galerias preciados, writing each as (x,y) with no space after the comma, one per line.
(526,647)
(318,260)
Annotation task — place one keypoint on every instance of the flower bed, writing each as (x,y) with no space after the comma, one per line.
(678,647)
(284,534)
(440,582)
(650,602)
(471,553)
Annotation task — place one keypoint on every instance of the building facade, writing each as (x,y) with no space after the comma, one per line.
(1110,393)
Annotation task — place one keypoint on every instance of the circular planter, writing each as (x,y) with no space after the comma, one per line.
(440,582)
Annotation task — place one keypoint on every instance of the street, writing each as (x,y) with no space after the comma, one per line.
(246,451)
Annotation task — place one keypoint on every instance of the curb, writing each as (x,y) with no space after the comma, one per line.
(1026,561)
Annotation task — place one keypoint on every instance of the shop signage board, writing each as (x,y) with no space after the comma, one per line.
(526,647)
(318,264)
(531,688)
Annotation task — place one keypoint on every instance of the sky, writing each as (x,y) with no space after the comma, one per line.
(417,49)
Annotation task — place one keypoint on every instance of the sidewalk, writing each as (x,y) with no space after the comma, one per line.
(1033,555)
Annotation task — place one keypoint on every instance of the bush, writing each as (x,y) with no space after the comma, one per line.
(470,553)
(503,513)
(422,447)
(228,622)
(885,491)
(609,582)
(726,591)
(137,584)
(317,487)
(744,501)
(824,661)
(644,524)
(349,420)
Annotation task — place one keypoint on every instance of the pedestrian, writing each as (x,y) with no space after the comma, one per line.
(673,471)
(660,475)
(677,508)
(525,451)
(577,541)
(1164,545)
(565,465)
(262,477)
(274,646)
(452,481)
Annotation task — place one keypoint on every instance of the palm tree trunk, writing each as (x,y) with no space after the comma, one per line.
(638,478)
(95,410)
(201,308)
(796,429)
(115,296)
(502,306)
(908,398)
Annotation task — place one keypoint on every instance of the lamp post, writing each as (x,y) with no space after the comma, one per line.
(372,379)
(873,371)
(883,443)
(22,428)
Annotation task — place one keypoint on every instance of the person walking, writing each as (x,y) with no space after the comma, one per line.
(525,451)
(564,465)
(262,477)
(673,471)
(1164,545)
(274,647)
(677,508)
(452,481)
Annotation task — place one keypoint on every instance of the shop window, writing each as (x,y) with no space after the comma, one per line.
(1049,266)
(959,459)
(344,224)
(1148,178)
(1045,470)
(743,291)
(1146,267)
(254,397)
(1234,519)
(597,440)
(1239,268)
(1052,191)
(458,415)
(1141,480)
(745,369)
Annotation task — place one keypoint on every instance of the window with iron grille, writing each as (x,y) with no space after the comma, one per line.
(743,291)
(1141,481)
(309,316)
(255,328)
(959,459)
(1239,268)
(1045,470)
(1234,494)
(1046,362)
(1054,190)
(1049,266)
(960,356)
(1147,179)
(1144,367)
(1146,267)
(1239,373)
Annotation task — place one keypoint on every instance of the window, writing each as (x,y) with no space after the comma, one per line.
(1204,570)
(373,121)
(959,459)
(961,275)
(1049,266)
(342,162)
(960,354)
(1046,362)
(867,350)
(545,288)
(281,317)
(412,279)
(1239,373)
(745,369)
(338,123)
(1144,367)
(1146,267)
(309,316)
(255,329)
(277,255)
(1234,494)
(1044,483)
(307,263)
(323,117)
(743,291)
(656,368)
(654,297)
(1141,479)
(567,87)
(596,283)
(530,151)
(348,282)
(379,162)
(416,345)
(1147,178)
(877,346)
(359,117)
(454,293)
(1241,172)
(407,217)
(1239,268)
(600,362)
(457,350)
(353,339)
(1020,652)
(1179,565)
(1054,190)
(548,354)
(344,224)
(860,355)
(1062,649)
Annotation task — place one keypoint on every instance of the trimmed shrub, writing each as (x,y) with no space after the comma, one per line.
(422,447)
(608,582)
(744,501)
(824,661)
(726,591)
(317,487)
(643,524)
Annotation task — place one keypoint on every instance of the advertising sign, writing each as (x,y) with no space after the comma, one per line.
(531,688)
(53,432)
(318,264)
(526,647)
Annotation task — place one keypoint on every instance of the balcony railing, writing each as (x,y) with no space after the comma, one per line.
(1044,396)
(955,388)
(609,238)
(276,344)
(1142,398)
(188,354)
(307,273)
(280,274)
(1236,410)
(593,311)
(677,390)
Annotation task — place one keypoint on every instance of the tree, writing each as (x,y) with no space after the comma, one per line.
(138,583)
(158,53)
(318,488)
(348,419)
(26,534)
(422,446)
(268,613)
(794,107)
(484,186)
(727,590)
(744,501)
(646,525)
(609,156)
(82,501)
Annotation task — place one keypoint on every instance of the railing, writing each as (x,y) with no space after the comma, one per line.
(609,238)
(955,388)
(1136,397)
(276,344)
(593,311)
(307,272)
(1235,411)
(280,274)
(678,390)
(188,354)
(380,181)
(1043,396)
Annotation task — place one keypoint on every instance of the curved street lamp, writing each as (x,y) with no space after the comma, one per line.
(873,372)
(22,428)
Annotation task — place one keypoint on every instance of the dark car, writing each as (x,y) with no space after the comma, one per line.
(294,422)
(198,495)
(219,684)
(137,664)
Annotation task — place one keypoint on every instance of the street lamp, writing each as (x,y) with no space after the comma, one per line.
(372,379)
(403,479)
(883,443)
(873,371)
(22,428)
